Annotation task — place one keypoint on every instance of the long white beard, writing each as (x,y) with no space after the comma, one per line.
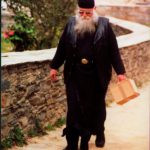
(85,25)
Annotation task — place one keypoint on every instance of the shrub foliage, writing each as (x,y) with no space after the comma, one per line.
(50,17)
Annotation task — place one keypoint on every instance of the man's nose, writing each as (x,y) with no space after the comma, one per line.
(84,14)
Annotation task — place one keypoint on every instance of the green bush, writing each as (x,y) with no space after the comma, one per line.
(15,137)
(22,33)
(60,122)
(50,18)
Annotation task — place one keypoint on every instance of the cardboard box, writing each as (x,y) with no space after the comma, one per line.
(124,91)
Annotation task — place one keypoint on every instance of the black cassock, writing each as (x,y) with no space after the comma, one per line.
(85,99)
(86,84)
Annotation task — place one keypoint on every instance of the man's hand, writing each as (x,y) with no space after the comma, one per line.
(53,74)
(121,77)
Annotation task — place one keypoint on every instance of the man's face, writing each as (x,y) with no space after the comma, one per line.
(86,13)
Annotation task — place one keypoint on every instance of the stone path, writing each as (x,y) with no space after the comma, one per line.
(127,128)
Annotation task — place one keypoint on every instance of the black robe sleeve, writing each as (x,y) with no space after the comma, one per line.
(60,55)
(116,60)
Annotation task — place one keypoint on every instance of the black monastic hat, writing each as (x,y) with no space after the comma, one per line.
(86,3)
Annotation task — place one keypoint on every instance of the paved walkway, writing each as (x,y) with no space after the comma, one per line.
(127,128)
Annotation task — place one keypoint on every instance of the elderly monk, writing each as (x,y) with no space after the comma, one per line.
(88,49)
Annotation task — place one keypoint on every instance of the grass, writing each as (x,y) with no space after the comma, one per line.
(38,130)
(50,127)
(60,122)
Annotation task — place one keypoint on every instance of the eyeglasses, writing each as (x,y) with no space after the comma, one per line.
(88,13)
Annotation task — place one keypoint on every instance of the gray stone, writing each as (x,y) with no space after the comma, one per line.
(5,111)
(5,84)
(21,101)
(20,112)
(4,121)
(50,101)
(31,90)
(47,96)
(36,100)
(61,98)
(21,87)
(41,116)
(55,93)
(32,79)
(23,121)
(5,132)
(12,123)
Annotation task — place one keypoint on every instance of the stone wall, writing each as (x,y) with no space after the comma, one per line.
(140,14)
(136,60)
(119,30)
(28,93)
